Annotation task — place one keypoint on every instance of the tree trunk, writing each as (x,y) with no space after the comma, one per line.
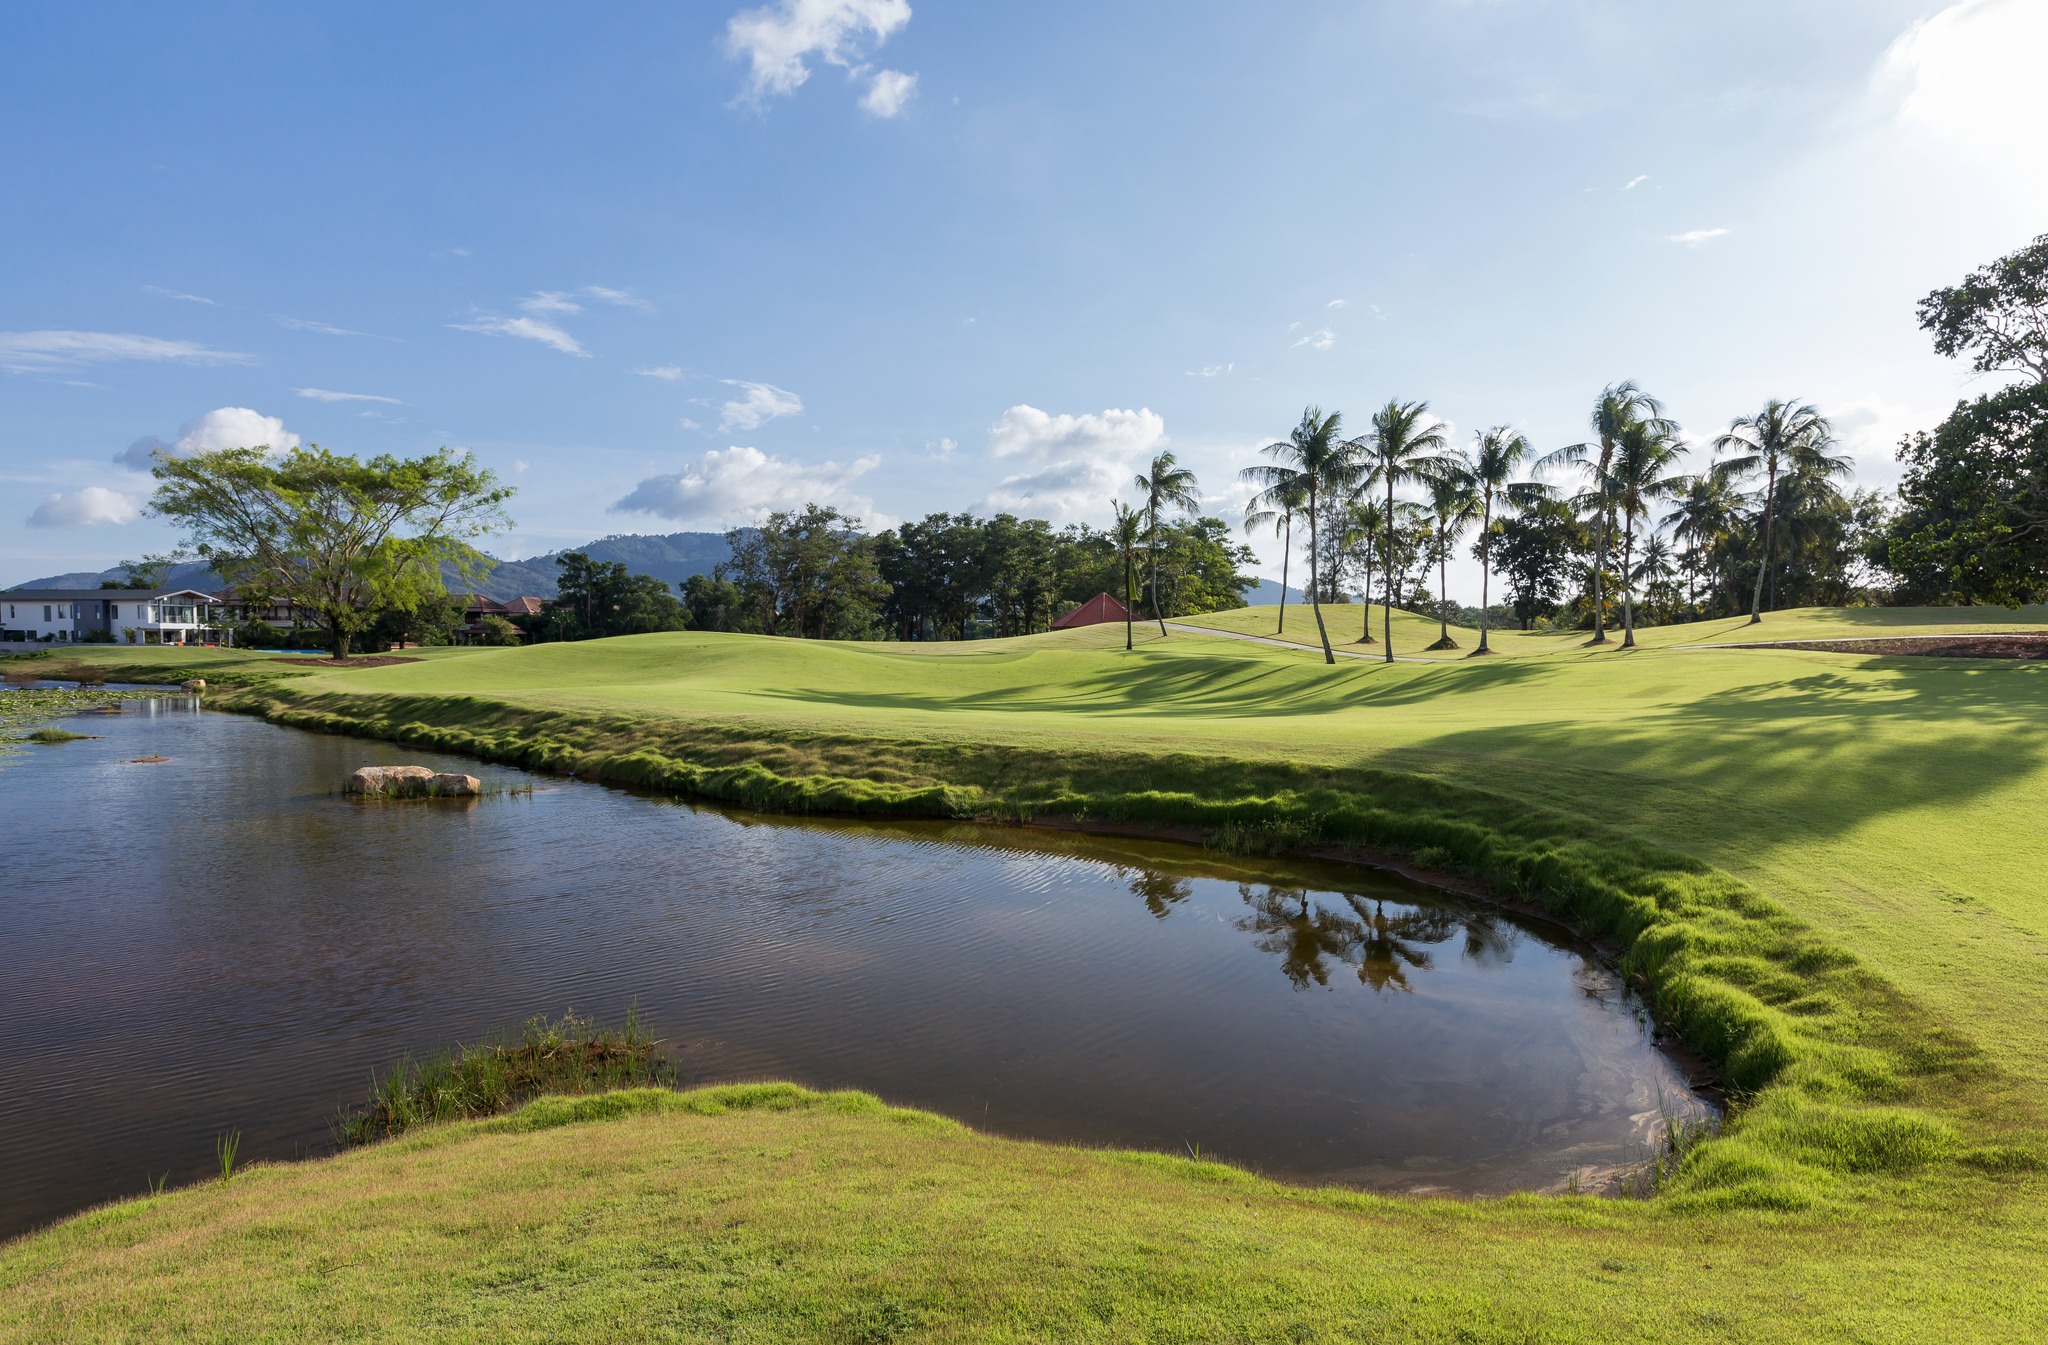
(1130,598)
(1286,554)
(1158,614)
(1756,600)
(1628,588)
(1314,562)
(1600,549)
(1365,625)
(1387,564)
(1485,568)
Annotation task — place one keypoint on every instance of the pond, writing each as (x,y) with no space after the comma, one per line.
(198,933)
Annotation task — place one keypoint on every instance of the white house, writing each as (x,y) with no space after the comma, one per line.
(119,615)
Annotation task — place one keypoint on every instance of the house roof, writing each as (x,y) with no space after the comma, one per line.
(101,594)
(1093,612)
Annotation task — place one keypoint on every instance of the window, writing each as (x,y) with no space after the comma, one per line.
(114,610)
(46,612)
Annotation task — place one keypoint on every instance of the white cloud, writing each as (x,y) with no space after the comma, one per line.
(323,395)
(743,485)
(34,352)
(1638,180)
(1212,370)
(1334,303)
(1086,459)
(757,402)
(526,329)
(325,328)
(1322,339)
(1694,237)
(86,508)
(550,301)
(180,295)
(776,39)
(618,298)
(688,424)
(888,92)
(1971,76)
(222,427)
(667,373)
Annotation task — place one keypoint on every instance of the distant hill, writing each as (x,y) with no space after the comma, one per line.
(671,558)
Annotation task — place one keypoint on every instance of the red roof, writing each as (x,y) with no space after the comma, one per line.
(1094,612)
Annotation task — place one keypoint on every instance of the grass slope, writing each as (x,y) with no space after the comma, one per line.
(1827,867)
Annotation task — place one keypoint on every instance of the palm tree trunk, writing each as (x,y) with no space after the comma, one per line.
(1485,568)
(1628,588)
(1286,554)
(1756,600)
(1443,598)
(1329,655)
(1387,564)
(1365,626)
(1600,550)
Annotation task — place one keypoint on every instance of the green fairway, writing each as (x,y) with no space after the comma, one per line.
(1828,867)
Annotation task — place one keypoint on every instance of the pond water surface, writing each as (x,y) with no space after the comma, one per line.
(219,940)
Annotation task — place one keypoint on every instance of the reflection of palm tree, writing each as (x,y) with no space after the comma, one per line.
(1161,892)
(1385,941)
(1301,935)
(1489,942)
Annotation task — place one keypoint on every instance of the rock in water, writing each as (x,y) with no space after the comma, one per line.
(449,785)
(197,686)
(403,781)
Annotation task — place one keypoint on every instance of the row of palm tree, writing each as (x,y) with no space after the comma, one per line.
(1626,470)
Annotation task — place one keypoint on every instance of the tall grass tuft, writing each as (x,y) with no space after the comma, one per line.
(225,1146)
(572,1055)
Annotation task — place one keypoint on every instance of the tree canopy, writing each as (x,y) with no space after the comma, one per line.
(1998,316)
(341,539)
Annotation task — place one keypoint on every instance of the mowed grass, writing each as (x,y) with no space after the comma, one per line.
(1886,1184)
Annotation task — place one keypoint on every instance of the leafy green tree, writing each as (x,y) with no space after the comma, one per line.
(1972,525)
(598,599)
(1783,436)
(1535,554)
(1998,315)
(340,538)
(431,621)
(1620,406)
(1164,484)
(715,604)
(1406,446)
(810,574)
(1314,464)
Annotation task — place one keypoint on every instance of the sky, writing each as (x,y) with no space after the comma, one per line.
(669,267)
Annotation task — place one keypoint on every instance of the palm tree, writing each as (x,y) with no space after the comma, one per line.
(1654,569)
(1406,445)
(1312,465)
(1782,435)
(1361,531)
(1453,507)
(1280,515)
(1163,484)
(1127,530)
(1702,520)
(1497,454)
(1620,405)
(1638,474)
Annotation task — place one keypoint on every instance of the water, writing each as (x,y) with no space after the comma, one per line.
(221,941)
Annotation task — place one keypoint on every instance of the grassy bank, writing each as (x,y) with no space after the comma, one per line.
(1824,868)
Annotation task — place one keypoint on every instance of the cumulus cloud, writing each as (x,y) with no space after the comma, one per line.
(1970,75)
(324,395)
(1081,462)
(1694,237)
(888,92)
(35,352)
(222,427)
(744,485)
(86,508)
(526,329)
(777,41)
(757,402)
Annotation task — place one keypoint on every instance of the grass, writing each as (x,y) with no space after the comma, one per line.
(1826,870)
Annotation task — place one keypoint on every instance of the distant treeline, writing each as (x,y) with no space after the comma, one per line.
(813,573)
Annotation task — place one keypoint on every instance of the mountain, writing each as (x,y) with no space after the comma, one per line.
(192,574)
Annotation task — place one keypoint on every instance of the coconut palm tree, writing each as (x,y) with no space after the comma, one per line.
(1620,405)
(1164,484)
(1639,473)
(1702,521)
(1279,516)
(1453,507)
(1654,570)
(1406,446)
(1782,436)
(1361,524)
(1497,454)
(1314,465)
(1127,531)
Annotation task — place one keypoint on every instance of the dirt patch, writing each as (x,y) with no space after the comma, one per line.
(2029,646)
(353,661)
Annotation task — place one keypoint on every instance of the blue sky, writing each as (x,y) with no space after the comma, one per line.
(668,266)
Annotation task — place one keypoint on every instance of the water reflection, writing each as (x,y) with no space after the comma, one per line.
(248,945)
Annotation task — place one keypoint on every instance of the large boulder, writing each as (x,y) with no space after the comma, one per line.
(449,785)
(403,781)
